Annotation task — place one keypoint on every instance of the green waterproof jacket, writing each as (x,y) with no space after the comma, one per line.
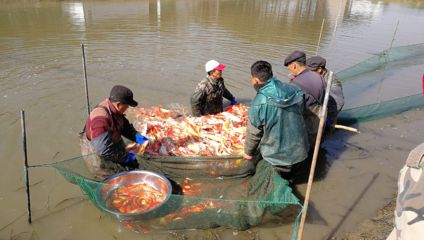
(276,128)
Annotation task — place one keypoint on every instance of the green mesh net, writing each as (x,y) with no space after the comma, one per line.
(210,188)
(383,84)
(381,109)
(238,194)
(397,55)
(233,202)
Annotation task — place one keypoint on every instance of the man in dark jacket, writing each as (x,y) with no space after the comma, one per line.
(336,100)
(209,93)
(312,85)
(276,130)
(310,82)
(104,129)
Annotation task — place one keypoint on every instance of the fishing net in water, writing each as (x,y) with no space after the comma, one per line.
(212,184)
(200,202)
(378,87)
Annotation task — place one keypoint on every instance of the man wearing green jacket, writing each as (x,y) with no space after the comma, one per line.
(276,130)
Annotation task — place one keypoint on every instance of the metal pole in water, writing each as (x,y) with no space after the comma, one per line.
(85,79)
(28,195)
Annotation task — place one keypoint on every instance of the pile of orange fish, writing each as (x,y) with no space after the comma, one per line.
(135,198)
(175,134)
(179,216)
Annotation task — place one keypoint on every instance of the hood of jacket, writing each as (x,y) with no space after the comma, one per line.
(279,94)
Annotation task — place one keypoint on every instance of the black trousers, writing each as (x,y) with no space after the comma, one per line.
(290,172)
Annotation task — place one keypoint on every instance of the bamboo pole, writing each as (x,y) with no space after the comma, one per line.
(351,129)
(24,145)
(323,116)
(394,35)
(320,35)
(337,19)
(386,60)
(85,80)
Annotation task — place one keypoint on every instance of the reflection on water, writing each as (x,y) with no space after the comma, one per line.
(158,10)
(365,9)
(159,48)
(76,15)
(163,40)
(410,3)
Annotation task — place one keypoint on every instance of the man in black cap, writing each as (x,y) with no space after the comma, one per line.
(336,100)
(104,129)
(312,85)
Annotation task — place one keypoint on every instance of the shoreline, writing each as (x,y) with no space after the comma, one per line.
(375,228)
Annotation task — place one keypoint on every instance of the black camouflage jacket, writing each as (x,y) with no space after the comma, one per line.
(208,96)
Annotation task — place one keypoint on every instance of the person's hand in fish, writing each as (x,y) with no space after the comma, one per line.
(233,101)
(142,142)
(130,161)
(140,139)
(247,157)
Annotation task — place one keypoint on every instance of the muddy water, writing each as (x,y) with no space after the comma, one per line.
(158,48)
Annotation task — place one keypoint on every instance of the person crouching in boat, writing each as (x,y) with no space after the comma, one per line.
(276,130)
(104,129)
(209,93)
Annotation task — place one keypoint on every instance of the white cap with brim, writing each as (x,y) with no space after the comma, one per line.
(212,65)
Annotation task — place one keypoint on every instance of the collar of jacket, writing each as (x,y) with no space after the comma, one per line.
(290,96)
(265,83)
(108,104)
(302,72)
(213,82)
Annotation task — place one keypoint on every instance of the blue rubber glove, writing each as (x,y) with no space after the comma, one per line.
(129,158)
(130,161)
(140,139)
(233,101)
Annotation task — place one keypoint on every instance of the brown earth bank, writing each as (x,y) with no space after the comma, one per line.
(376,228)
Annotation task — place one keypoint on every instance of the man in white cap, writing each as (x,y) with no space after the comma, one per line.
(209,93)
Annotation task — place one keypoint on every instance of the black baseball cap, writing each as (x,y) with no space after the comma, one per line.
(315,62)
(297,56)
(123,95)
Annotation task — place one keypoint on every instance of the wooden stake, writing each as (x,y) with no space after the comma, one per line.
(320,34)
(323,116)
(28,195)
(85,80)
(351,129)
(394,35)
